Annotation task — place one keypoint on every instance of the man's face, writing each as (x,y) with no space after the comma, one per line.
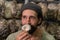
(29,17)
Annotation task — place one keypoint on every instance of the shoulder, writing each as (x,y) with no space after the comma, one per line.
(13,36)
(47,36)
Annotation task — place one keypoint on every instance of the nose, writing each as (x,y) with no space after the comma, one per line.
(28,21)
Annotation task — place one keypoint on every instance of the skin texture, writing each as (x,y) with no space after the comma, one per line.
(28,17)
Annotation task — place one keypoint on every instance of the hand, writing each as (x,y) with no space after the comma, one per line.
(25,36)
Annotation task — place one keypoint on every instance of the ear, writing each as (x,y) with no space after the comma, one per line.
(40,21)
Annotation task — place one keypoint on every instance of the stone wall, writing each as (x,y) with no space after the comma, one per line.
(10,19)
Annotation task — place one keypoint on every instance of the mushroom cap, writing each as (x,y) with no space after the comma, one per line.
(26,27)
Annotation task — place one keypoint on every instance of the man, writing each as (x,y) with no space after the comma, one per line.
(31,14)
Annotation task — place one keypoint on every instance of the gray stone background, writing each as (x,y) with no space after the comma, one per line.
(10,19)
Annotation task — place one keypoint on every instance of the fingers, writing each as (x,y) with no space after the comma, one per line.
(23,36)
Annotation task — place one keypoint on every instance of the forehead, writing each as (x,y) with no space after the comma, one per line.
(29,12)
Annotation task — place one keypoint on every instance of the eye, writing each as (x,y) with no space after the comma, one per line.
(32,17)
(23,17)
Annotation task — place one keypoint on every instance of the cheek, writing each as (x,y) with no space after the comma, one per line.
(23,22)
(34,22)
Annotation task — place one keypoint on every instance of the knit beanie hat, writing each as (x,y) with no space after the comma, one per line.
(34,7)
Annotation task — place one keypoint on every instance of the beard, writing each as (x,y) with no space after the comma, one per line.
(31,29)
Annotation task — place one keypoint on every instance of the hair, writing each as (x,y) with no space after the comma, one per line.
(34,7)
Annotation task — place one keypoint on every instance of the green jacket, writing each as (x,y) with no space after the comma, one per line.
(45,36)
